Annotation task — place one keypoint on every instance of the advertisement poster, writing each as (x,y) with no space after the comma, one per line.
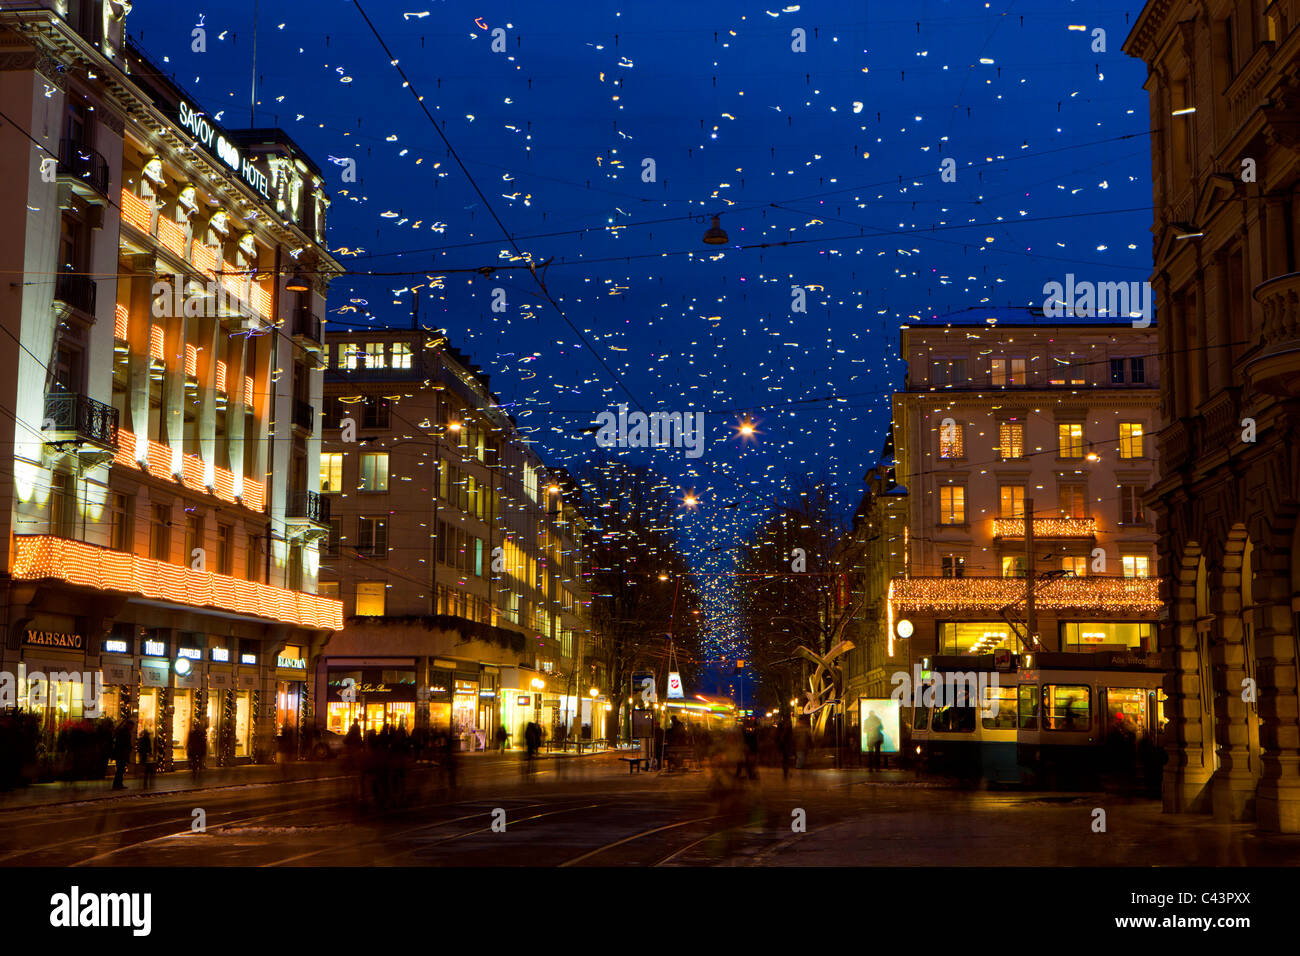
(878,716)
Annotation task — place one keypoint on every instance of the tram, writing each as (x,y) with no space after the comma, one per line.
(1060,720)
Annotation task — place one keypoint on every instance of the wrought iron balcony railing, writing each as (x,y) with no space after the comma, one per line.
(304,415)
(76,291)
(309,505)
(81,418)
(84,164)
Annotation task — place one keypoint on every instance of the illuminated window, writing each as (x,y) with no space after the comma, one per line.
(1013,565)
(1130,440)
(370,599)
(374,355)
(401,355)
(331,472)
(374,472)
(1007,371)
(1074,500)
(348,353)
(1137,566)
(1067,707)
(1069,440)
(1013,501)
(1078,566)
(1130,505)
(1090,635)
(952,441)
(952,504)
(1011,439)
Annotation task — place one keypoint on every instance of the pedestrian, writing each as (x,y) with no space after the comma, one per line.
(502,736)
(144,751)
(873,730)
(533,741)
(785,743)
(196,749)
(122,751)
(802,741)
(449,757)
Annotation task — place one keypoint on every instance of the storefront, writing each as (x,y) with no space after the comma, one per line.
(464,708)
(441,684)
(373,694)
(188,710)
(290,686)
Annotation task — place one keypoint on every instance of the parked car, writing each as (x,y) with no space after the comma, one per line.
(327,745)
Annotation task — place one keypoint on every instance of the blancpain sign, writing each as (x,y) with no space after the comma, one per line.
(212,139)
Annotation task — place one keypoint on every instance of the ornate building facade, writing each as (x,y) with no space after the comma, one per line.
(1225,168)
(159,375)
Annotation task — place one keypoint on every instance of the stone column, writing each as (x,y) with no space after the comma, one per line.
(139,324)
(1233,786)
(1191,762)
(207,337)
(1278,795)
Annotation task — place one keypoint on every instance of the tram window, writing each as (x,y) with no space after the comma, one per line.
(954,720)
(921,718)
(1067,707)
(1004,699)
(1028,706)
(1126,710)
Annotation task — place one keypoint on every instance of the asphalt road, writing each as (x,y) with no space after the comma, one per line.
(590,811)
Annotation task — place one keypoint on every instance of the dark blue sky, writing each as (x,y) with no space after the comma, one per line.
(835,151)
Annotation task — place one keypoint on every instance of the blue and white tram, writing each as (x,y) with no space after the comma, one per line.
(1060,721)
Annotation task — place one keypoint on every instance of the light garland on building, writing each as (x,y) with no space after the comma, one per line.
(1111,595)
(41,556)
(1046,527)
(193,472)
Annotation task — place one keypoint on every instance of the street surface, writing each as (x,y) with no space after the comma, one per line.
(590,811)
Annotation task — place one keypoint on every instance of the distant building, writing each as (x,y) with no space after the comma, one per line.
(996,419)
(1224,148)
(457,554)
(156,355)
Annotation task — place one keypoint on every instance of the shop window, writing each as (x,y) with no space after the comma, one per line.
(374,472)
(1067,707)
(370,598)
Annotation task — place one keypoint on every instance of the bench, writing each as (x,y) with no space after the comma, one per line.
(633,763)
(680,758)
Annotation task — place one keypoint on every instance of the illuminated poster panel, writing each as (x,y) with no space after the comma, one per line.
(878,715)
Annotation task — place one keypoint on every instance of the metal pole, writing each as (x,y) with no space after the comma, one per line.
(1031,613)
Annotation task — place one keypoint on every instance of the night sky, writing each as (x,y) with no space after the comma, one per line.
(836,151)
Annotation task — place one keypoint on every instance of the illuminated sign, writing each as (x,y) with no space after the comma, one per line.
(215,142)
(293,663)
(220,654)
(904,628)
(487,693)
(115,647)
(248,658)
(193,653)
(155,648)
(523,700)
(72,642)
(675,684)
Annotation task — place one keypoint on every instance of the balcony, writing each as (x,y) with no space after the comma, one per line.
(1275,368)
(76,292)
(1046,528)
(304,415)
(1109,595)
(85,169)
(70,417)
(310,506)
(307,329)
